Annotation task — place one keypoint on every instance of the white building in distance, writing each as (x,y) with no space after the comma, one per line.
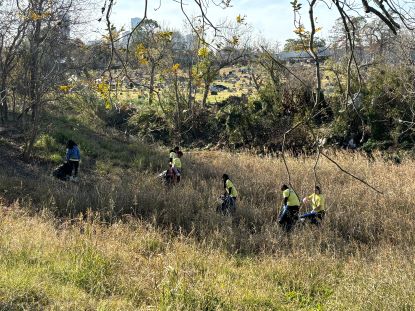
(134,22)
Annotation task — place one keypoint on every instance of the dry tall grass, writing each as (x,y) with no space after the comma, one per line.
(138,245)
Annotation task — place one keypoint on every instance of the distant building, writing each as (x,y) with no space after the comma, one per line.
(124,39)
(94,42)
(302,56)
(218,88)
(134,22)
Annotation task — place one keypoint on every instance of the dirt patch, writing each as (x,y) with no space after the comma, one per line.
(11,161)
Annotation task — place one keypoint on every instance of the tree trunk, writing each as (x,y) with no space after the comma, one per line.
(178,108)
(189,88)
(14,103)
(256,81)
(34,95)
(30,142)
(205,94)
(3,97)
(34,69)
(151,91)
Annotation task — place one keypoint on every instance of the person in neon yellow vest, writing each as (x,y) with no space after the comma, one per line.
(289,212)
(230,190)
(173,154)
(177,166)
(317,202)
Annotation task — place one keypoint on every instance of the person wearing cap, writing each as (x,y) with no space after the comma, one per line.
(291,206)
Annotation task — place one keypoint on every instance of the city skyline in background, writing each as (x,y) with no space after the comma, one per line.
(269,19)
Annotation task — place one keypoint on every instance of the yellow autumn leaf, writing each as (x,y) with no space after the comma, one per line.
(318,29)
(299,30)
(35,16)
(107,105)
(64,88)
(140,50)
(235,40)
(143,61)
(175,67)
(240,19)
(203,52)
(103,88)
(167,35)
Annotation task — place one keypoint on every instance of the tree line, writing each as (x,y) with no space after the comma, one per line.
(364,91)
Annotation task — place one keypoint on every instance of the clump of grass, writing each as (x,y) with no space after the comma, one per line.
(131,265)
(120,240)
(357,218)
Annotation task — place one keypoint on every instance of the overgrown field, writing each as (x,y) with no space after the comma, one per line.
(119,240)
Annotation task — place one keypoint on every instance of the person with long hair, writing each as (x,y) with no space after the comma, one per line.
(230,190)
(73,156)
(177,167)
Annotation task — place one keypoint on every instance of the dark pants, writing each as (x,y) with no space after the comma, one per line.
(232,203)
(177,173)
(314,217)
(228,206)
(288,217)
(169,178)
(74,167)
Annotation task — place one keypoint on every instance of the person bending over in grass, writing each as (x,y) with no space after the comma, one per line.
(289,213)
(177,166)
(317,203)
(173,154)
(73,156)
(230,191)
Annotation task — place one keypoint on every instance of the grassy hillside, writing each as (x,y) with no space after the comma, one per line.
(119,240)
(87,265)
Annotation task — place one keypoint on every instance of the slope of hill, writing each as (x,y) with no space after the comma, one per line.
(120,240)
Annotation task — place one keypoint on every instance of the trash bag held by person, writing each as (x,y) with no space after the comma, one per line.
(317,202)
(167,176)
(289,212)
(63,171)
(73,156)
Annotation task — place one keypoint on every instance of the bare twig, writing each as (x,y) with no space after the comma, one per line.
(316,181)
(350,174)
(385,17)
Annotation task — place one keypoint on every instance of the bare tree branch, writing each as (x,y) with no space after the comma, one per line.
(350,174)
(393,26)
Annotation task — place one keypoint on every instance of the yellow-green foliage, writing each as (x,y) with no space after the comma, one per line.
(166,249)
(47,147)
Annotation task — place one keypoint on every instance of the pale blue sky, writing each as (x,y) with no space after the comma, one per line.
(271,19)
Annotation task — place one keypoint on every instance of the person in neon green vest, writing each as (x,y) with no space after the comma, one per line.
(317,202)
(289,212)
(173,154)
(177,166)
(230,190)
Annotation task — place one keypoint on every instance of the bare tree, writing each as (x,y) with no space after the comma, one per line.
(152,47)
(12,31)
(45,56)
